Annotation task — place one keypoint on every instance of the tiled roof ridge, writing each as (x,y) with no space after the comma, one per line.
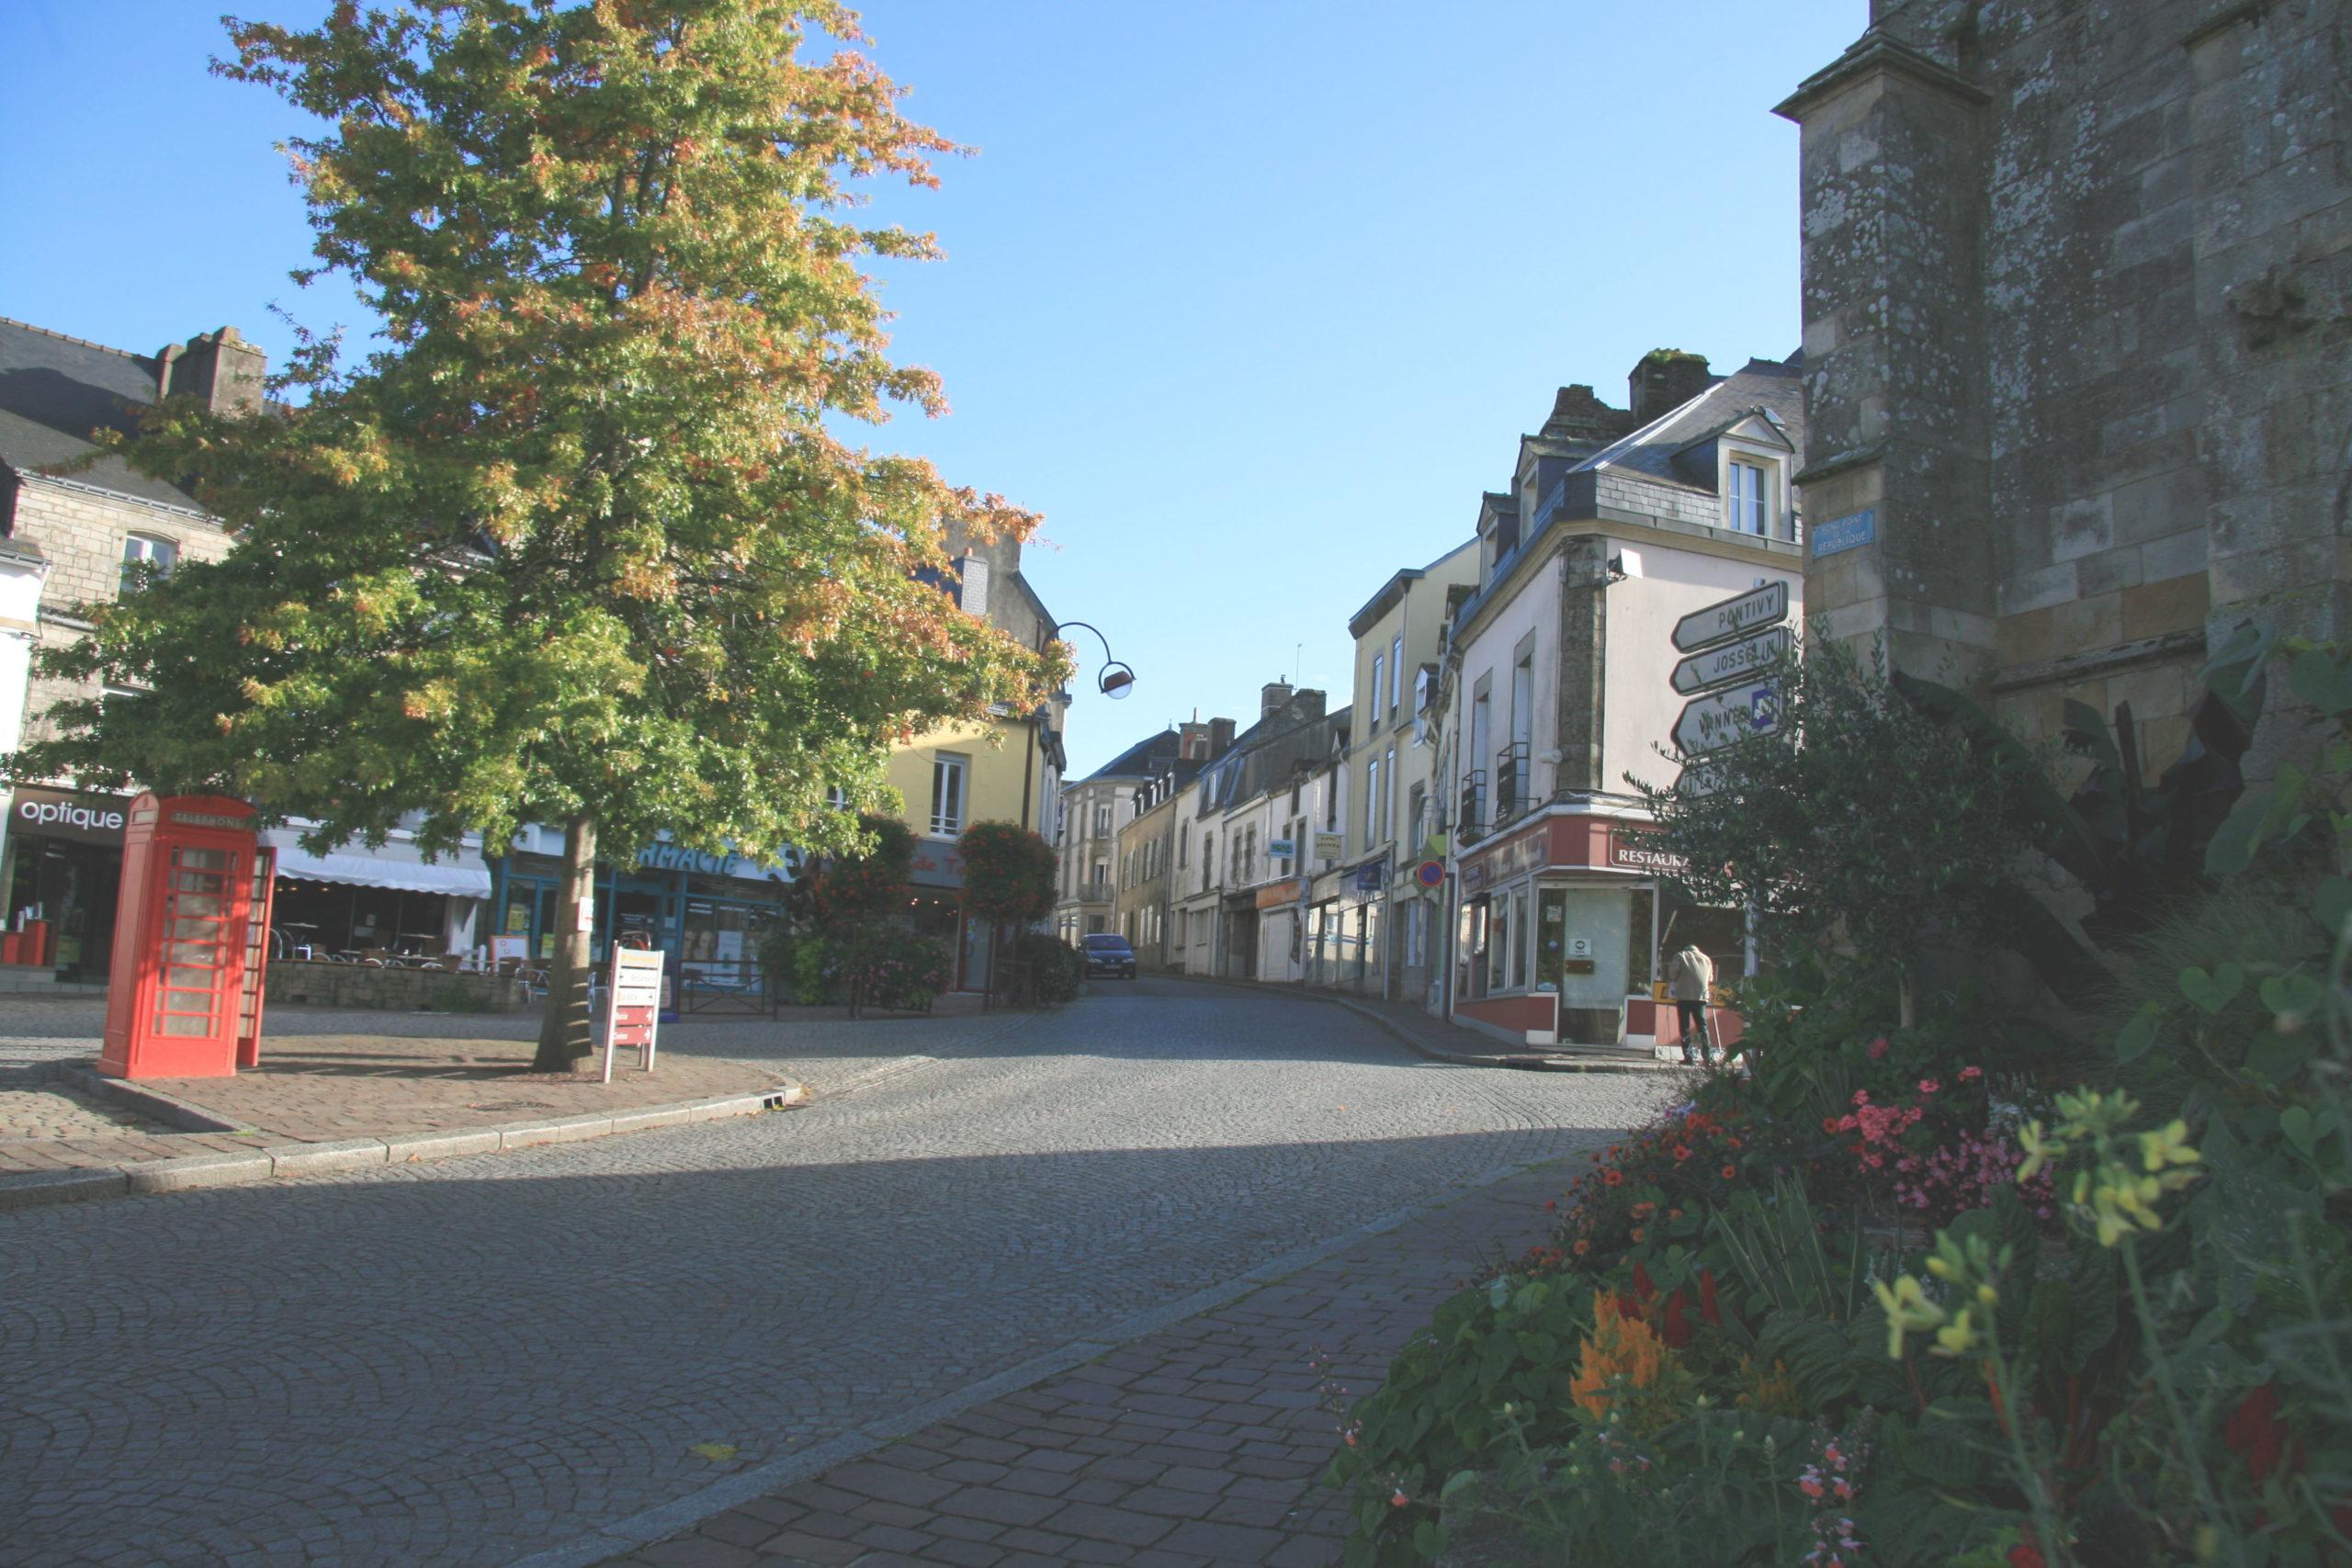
(69,337)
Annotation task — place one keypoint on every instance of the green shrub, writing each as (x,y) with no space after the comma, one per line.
(1044,970)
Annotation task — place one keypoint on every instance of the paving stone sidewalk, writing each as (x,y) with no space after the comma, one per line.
(321,1089)
(1201,1444)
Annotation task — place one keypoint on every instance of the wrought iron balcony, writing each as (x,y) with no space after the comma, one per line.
(1511,780)
(1470,824)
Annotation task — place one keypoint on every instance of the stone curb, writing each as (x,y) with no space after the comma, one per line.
(266,1162)
(679,1513)
(1522,1063)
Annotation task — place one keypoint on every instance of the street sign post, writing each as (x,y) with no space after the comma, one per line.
(1732,662)
(1751,611)
(633,1004)
(1726,718)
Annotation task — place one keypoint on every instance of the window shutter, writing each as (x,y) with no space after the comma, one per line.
(974,593)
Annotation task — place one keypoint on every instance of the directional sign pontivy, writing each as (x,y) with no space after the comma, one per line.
(1732,661)
(1752,611)
(1726,718)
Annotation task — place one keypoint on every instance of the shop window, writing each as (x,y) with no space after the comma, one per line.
(1519,940)
(1499,935)
(947,775)
(1639,968)
(1551,937)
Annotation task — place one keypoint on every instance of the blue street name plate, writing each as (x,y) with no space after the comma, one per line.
(1845,533)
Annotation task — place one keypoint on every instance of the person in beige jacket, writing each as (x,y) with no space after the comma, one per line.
(1689,979)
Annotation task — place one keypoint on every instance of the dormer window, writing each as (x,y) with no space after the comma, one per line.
(1744,498)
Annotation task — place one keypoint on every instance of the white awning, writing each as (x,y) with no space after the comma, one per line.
(396,863)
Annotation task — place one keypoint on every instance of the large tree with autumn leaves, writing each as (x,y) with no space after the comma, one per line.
(579,542)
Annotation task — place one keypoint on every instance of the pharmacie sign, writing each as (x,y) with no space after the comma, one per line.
(61,814)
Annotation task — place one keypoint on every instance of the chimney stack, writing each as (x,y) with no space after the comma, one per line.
(1193,741)
(1665,379)
(1271,696)
(1220,738)
(221,368)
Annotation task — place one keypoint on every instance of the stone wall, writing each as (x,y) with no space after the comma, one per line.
(2077,298)
(295,982)
(81,531)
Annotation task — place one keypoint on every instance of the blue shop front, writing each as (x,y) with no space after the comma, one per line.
(704,910)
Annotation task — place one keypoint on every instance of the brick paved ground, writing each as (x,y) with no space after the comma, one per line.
(472,1361)
(328,1073)
(1201,1444)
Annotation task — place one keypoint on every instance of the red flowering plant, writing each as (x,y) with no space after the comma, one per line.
(1651,1191)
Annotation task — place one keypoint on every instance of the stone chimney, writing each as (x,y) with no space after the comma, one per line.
(221,368)
(1193,741)
(1220,738)
(1271,696)
(1665,379)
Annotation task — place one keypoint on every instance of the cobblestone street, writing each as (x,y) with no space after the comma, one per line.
(562,1351)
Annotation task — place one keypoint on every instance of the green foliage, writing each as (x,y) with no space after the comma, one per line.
(1858,826)
(866,885)
(1008,872)
(1439,1411)
(579,541)
(1046,970)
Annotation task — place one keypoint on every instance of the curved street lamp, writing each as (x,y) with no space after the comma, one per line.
(1115,679)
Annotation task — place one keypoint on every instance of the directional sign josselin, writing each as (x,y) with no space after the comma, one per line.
(1725,718)
(1752,611)
(1732,661)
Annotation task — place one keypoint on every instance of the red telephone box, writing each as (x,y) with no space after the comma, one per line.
(191,940)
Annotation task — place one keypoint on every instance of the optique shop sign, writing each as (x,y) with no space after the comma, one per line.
(60,815)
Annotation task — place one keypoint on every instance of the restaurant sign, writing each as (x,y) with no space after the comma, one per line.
(1634,850)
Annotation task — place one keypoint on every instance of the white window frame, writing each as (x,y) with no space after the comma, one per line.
(159,552)
(950,774)
(1379,663)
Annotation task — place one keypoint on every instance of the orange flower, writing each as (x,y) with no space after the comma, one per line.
(1613,1176)
(1582,1246)
(1674,1213)
(1730,1172)
(1637,1235)
(1681,1153)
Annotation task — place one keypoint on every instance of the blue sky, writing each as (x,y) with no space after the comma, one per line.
(1251,301)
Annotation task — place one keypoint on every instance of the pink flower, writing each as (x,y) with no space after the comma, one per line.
(1968,1075)
(1877,1048)
(1928,1086)
(1861,1097)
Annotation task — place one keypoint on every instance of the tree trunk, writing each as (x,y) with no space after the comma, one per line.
(1909,1014)
(565,1033)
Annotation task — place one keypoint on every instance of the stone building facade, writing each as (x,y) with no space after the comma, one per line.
(83,525)
(2077,298)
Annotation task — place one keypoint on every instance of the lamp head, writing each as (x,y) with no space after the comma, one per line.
(1117,681)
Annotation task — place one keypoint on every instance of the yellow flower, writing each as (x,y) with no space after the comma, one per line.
(1907,1310)
(2167,1146)
(2039,1150)
(1956,1336)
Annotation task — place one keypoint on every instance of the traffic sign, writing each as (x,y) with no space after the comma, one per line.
(1699,780)
(1726,718)
(1430,874)
(1751,611)
(1732,661)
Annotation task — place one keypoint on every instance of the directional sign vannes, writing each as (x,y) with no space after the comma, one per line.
(1726,718)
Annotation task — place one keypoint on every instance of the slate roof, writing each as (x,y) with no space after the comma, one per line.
(1136,761)
(55,390)
(1775,388)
